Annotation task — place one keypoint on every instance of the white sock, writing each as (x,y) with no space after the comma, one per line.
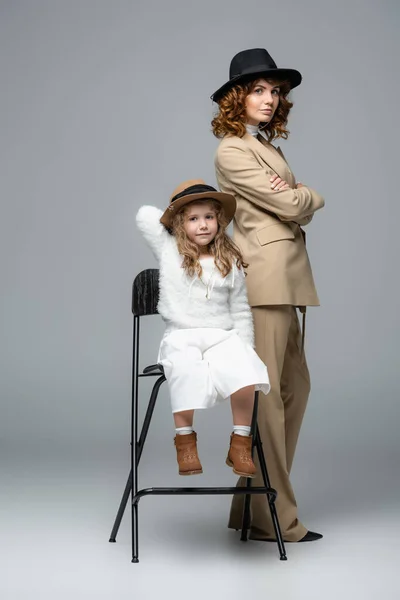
(242,430)
(184,430)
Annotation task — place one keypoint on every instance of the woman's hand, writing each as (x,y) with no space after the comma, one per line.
(278,184)
(299,185)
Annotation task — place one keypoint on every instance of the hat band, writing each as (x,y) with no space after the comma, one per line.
(194,189)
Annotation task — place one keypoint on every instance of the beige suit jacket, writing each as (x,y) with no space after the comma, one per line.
(267,223)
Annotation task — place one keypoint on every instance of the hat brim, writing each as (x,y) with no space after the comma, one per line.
(227,200)
(294,77)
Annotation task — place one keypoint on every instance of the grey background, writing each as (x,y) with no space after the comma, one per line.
(105,106)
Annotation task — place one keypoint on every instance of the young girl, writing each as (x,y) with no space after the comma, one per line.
(207,348)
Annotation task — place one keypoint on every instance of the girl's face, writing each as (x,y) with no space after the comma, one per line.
(200,223)
(262,102)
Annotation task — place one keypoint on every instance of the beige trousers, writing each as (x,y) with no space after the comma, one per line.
(280,414)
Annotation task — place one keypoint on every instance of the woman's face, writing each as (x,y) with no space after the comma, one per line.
(262,102)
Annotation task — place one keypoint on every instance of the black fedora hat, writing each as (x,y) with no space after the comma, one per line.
(253,63)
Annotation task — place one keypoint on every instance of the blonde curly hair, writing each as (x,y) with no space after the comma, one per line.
(222,248)
(231,118)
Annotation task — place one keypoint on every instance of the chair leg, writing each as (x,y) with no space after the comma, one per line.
(121,510)
(246,514)
(134,489)
(142,439)
(135,461)
(135,533)
(246,506)
(271,501)
(149,414)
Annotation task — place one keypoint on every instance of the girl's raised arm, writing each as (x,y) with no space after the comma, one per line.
(154,232)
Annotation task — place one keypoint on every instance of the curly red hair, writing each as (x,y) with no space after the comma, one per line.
(231,118)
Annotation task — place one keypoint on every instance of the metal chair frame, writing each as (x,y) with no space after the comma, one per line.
(144,302)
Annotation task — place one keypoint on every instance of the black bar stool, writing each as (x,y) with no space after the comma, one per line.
(145,292)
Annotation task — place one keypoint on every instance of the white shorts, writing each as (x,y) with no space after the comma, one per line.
(204,366)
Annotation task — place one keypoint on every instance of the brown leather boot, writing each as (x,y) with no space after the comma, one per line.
(186,454)
(239,455)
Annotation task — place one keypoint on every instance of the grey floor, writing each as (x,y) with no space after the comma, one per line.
(57,511)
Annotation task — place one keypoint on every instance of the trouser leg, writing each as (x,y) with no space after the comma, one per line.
(273,326)
(295,388)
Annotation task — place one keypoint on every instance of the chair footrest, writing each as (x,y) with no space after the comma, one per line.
(202,491)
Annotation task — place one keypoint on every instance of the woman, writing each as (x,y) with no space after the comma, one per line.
(271,208)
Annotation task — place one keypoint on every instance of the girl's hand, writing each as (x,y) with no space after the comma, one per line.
(278,184)
(299,185)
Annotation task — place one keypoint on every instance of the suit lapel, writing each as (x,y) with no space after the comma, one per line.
(278,149)
(290,177)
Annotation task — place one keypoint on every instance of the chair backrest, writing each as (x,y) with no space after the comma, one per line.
(145,293)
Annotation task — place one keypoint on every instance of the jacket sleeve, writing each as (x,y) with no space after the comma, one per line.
(239,307)
(251,181)
(154,232)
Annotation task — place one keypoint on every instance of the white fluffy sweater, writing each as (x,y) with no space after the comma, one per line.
(183,303)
